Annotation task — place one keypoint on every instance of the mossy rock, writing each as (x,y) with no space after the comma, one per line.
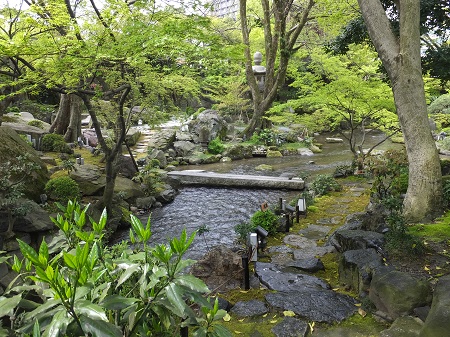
(12,146)
(274,154)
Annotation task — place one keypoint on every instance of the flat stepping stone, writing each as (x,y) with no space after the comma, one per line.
(315,232)
(330,221)
(309,264)
(290,327)
(282,259)
(274,279)
(320,251)
(299,241)
(314,305)
(280,249)
(249,308)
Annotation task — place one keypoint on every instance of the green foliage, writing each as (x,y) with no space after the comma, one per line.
(68,165)
(242,230)
(37,123)
(13,175)
(216,146)
(266,219)
(53,142)
(399,241)
(390,174)
(440,105)
(323,184)
(62,189)
(446,191)
(151,177)
(91,289)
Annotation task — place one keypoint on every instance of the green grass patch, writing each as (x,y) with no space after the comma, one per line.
(432,232)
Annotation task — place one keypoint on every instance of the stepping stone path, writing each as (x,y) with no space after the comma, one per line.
(309,297)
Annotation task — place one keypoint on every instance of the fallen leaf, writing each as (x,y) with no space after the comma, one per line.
(335,289)
(289,313)
(241,320)
(244,291)
(237,332)
(357,304)
(438,268)
(362,312)
(311,326)
(226,318)
(273,321)
(265,315)
(426,268)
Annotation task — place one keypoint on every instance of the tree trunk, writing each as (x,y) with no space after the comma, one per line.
(62,119)
(74,128)
(401,58)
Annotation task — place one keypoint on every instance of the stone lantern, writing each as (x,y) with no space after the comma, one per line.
(259,71)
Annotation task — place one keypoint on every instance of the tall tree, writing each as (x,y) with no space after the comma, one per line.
(400,55)
(283,21)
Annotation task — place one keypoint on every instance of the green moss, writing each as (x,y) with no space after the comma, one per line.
(433,232)
(330,274)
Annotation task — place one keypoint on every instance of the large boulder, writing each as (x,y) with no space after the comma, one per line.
(438,320)
(397,293)
(207,126)
(184,148)
(162,140)
(356,268)
(36,219)
(220,269)
(89,179)
(238,151)
(128,188)
(126,167)
(406,326)
(12,146)
(357,239)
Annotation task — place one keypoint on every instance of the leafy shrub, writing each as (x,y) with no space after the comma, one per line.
(268,137)
(390,173)
(266,219)
(151,177)
(445,144)
(446,190)
(37,123)
(242,230)
(90,289)
(53,142)
(216,146)
(62,189)
(323,184)
(440,105)
(399,241)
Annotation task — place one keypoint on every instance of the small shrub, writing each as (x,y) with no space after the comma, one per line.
(53,142)
(37,123)
(440,105)
(242,230)
(390,173)
(62,189)
(446,190)
(216,146)
(323,184)
(398,241)
(445,144)
(266,219)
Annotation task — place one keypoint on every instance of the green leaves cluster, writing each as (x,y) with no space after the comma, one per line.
(82,287)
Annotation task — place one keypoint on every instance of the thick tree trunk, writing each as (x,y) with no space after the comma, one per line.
(401,58)
(62,118)
(74,128)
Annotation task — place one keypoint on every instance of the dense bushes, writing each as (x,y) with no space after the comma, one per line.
(53,142)
(324,184)
(216,146)
(62,189)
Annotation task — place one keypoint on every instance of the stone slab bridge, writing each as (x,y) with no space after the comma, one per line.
(205,178)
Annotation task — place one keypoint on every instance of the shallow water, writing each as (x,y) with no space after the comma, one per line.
(220,209)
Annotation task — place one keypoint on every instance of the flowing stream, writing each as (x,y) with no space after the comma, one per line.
(220,209)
